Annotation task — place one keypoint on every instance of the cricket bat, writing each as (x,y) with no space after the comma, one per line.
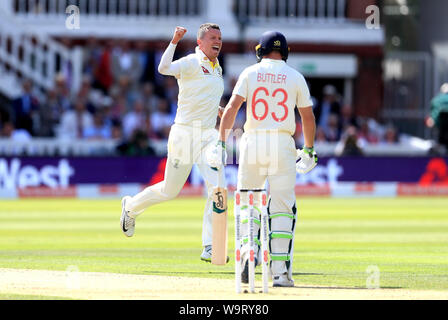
(219,223)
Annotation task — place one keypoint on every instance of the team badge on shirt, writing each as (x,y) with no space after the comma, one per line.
(205,70)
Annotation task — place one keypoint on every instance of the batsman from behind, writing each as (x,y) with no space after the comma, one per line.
(271,90)
(201,86)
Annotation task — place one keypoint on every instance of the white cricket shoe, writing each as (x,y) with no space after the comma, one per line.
(282,280)
(127,222)
(206,254)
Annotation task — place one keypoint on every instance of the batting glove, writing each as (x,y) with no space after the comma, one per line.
(217,155)
(306,160)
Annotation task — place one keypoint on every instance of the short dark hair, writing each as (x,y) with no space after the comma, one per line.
(206,27)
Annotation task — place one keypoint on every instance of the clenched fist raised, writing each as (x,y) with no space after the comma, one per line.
(178,34)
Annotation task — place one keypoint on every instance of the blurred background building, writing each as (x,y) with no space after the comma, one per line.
(93,88)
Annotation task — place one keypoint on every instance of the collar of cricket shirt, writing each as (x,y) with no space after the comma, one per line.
(204,59)
(273,60)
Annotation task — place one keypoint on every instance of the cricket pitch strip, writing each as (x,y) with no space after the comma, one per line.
(112,286)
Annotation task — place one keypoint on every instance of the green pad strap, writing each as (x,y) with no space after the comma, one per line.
(257,221)
(280,257)
(257,242)
(246,207)
(280,235)
(288,215)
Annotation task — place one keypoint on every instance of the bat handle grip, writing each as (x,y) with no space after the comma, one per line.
(220,176)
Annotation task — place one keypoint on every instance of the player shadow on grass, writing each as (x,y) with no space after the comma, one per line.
(188,272)
(222,272)
(294,274)
(343,288)
(335,287)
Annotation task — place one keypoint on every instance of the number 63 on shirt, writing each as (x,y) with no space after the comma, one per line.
(281,112)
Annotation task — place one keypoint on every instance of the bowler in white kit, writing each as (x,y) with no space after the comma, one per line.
(201,86)
(271,90)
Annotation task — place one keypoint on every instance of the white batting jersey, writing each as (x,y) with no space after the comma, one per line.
(272,90)
(201,86)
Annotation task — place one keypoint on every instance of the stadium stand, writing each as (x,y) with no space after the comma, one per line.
(96,90)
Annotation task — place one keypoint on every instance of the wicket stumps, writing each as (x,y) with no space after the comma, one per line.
(264,235)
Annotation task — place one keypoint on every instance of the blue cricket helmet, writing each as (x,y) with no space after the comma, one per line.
(270,41)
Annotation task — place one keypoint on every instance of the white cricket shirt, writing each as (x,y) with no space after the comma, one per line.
(272,90)
(201,86)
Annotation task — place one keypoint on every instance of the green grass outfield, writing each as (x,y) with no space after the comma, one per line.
(337,240)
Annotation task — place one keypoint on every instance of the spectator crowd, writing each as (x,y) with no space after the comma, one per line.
(337,122)
(123,97)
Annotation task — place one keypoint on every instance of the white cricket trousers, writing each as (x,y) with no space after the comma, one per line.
(269,155)
(187,145)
